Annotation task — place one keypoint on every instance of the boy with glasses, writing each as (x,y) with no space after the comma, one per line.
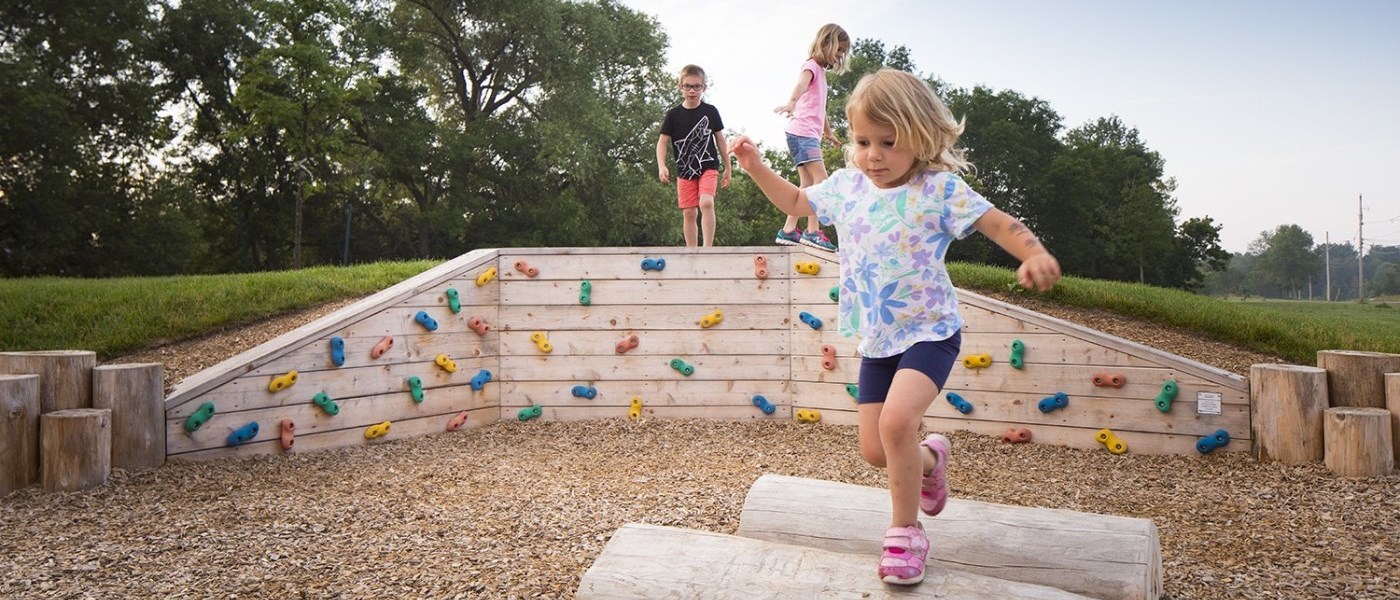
(696,130)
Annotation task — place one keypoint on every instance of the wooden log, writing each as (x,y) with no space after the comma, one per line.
(1358,441)
(644,562)
(1100,556)
(1357,378)
(1287,403)
(75,448)
(65,376)
(1392,404)
(19,432)
(135,394)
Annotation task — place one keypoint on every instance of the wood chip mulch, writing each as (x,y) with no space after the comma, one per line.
(520,510)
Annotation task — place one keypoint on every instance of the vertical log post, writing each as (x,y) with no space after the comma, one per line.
(1357,378)
(1287,403)
(65,376)
(135,394)
(1392,403)
(19,432)
(75,448)
(1358,441)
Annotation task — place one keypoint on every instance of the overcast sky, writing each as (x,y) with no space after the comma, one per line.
(1267,113)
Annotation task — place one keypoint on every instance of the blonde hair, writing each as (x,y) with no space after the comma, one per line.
(692,71)
(826,49)
(920,120)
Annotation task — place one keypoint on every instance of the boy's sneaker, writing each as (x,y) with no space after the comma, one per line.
(817,239)
(906,551)
(787,238)
(933,489)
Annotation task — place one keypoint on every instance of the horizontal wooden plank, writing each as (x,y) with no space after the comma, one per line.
(650,343)
(403,429)
(648,294)
(681,263)
(1083,438)
(738,412)
(316,356)
(623,317)
(584,369)
(469,295)
(720,393)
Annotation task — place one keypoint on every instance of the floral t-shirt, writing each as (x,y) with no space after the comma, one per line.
(895,291)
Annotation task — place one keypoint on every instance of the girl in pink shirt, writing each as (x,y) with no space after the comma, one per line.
(808,126)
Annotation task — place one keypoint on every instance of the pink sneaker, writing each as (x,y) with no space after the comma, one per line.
(906,552)
(933,488)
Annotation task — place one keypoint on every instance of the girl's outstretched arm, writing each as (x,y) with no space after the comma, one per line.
(803,80)
(781,192)
(1039,270)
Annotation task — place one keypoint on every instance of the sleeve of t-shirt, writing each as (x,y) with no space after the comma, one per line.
(825,197)
(718,125)
(668,124)
(962,206)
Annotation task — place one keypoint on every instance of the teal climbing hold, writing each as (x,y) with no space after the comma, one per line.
(585,293)
(834,294)
(327,405)
(853,390)
(454,301)
(683,367)
(415,388)
(1165,397)
(200,417)
(1018,353)
(530,412)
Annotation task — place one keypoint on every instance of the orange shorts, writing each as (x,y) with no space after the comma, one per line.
(689,191)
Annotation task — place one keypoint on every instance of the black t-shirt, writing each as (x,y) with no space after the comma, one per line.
(692,130)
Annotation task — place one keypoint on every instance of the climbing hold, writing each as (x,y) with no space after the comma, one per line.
(711,319)
(288,433)
(853,390)
(1165,397)
(959,403)
(682,366)
(525,268)
(1208,444)
(585,293)
(653,264)
(337,351)
(377,431)
(1018,353)
(829,357)
(584,391)
(1053,403)
(541,342)
(764,405)
(480,380)
(834,294)
(760,266)
(200,417)
(810,320)
(1113,380)
(1110,441)
(415,388)
(426,321)
(243,434)
(458,421)
(808,415)
(327,405)
(530,412)
(478,325)
(454,301)
(977,361)
(383,346)
(446,363)
(635,412)
(807,267)
(486,277)
(1016,436)
(282,382)
(627,343)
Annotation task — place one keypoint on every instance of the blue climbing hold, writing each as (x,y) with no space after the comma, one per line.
(764,405)
(480,380)
(959,403)
(810,320)
(585,391)
(1208,444)
(1053,403)
(243,434)
(426,321)
(338,350)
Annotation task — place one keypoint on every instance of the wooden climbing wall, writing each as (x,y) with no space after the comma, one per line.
(762,346)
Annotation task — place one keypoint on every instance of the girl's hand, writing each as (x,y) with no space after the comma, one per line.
(832,136)
(745,152)
(786,109)
(1039,272)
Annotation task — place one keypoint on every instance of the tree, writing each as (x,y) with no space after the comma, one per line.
(1197,250)
(1286,258)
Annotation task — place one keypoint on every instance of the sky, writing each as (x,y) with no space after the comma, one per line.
(1266,113)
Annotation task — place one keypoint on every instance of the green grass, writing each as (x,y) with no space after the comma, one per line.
(1293,330)
(116,316)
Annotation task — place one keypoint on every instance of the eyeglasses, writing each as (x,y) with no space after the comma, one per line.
(692,86)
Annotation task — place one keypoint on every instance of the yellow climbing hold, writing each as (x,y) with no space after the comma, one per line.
(636,411)
(486,277)
(807,267)
(1110,441)
(541,342)
(808,415)
(282,382)
(711,319)
(377,431)
(446,363)
(977,361)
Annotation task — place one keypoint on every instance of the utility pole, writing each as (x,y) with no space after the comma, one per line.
(1360,251)
(1327,253)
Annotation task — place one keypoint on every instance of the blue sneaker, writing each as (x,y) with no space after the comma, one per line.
(787,238)
(817,239)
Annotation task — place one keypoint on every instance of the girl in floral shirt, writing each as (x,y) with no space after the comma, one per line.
(896,207)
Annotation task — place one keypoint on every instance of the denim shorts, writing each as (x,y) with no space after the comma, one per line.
(934,359)
(804,149)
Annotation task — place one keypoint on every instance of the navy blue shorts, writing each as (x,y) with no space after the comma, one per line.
(804,149)
(934,359)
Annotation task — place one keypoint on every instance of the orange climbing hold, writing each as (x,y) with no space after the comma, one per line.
(1016,436)
(760,267)
(458,421)
(829,357)
(627,343)
(288,432)
(525,268)
(1113,380)
(383,346)
(478,325)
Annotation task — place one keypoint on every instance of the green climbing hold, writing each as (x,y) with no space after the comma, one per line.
(454,301)
(530,412)
(1018,351)
(200,417)
(585,293)
(324,401)
(415,388)
(853,390)
(834,294)
(1165,397)
(683,367)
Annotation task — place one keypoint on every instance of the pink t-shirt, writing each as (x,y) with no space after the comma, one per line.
(809,116)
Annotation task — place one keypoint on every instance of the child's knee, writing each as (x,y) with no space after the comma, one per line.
(707,202)
(873,454)
(689,213)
